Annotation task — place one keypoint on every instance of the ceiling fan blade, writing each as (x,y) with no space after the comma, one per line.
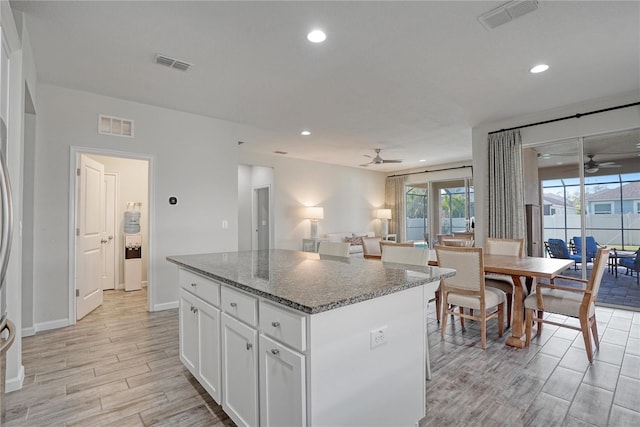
(365,165)
(608,165)
(368,156)
(392,161)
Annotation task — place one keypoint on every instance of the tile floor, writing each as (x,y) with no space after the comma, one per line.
(119,367)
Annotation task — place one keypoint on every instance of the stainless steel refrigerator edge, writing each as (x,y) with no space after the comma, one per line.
(7,329)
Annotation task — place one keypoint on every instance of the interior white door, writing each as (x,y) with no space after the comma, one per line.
(90,220)
(263,226)
(108,277)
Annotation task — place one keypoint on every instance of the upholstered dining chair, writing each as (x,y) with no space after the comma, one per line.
(568,301)
(467,289)
(340,249)
(513,247)
(371,247)
(405,254)
(461,243)
(409,255)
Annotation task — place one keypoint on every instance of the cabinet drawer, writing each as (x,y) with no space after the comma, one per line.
(283,325)
(240,305)
(206,289)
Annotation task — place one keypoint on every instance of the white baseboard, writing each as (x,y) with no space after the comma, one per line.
(52,324)
(13,384)
(166,306)
(28,332)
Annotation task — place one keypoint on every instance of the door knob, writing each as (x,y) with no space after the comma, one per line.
(103,241)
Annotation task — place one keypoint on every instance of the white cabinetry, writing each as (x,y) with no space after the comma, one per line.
(200,332)
(240,371)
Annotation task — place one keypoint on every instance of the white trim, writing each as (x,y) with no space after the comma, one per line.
(51,324)
(14,383)
(166,306)
(74,154)
(28,332)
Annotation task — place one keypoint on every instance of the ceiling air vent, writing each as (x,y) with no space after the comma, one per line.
(172,62)
(116,126)
(507,12)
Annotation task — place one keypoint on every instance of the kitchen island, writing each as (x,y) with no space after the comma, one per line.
(282,337)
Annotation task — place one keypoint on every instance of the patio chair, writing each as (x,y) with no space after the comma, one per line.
(568,301)
(558,249)
(591,246)
(632,264)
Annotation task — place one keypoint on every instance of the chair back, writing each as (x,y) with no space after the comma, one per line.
(469,266)
(340,249)
(558,249)
(468,235)
(591,246)
(384,243)
(371,247)
(460,243)
(600,263)
(403,254)
(513,247)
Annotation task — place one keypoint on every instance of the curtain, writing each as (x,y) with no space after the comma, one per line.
(395,200)
(506,190)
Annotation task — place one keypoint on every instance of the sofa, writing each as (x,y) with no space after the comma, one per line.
(352,237)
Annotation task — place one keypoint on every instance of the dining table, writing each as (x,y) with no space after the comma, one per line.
(519,268)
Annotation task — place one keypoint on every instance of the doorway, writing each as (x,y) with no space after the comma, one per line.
(262,208)
(126,179)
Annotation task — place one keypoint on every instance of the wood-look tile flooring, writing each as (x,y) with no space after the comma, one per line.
(119,367)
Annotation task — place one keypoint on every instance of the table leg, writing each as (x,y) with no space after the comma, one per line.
(517,325)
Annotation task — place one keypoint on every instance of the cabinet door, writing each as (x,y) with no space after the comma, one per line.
(209,349)
(189,332)
(239,371)
(282,385)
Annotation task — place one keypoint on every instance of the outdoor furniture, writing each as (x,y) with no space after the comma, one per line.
(591,246)
(558,249)
(567,301)
(632,264)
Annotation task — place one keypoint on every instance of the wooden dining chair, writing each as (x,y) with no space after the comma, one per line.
(568,301)
(460,243)
(512,247)
(405,254)
(410,255)
(371,247)
(340,249)
(467,289)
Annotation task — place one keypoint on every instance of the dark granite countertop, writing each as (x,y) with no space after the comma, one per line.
(304,281)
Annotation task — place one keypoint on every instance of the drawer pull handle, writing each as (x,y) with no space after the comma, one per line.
(249,346)
(275,351)
(233,304)
(195,310)
(194,284)
(275,324)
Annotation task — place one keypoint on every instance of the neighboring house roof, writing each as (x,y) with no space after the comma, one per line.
(552,199)
(630,190)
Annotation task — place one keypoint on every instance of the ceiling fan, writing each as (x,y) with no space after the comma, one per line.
(377,160)
(592,166)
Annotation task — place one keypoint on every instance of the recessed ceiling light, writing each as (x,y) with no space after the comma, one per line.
(305,133)
(539,68)
(546,156)
(422,160)
(316,36)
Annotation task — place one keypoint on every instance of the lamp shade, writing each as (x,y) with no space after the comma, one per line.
(383,214)
(314,212)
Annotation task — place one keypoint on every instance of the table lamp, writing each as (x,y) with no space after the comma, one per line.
(314,214)
(384,215)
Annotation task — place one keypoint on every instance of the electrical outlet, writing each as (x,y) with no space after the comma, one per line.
(225,224)
(378,336)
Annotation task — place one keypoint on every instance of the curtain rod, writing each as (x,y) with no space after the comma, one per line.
(575,116)
(434,170)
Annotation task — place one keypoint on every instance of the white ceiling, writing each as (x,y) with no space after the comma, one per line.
(411,78)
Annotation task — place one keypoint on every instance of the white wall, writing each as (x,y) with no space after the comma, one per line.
(133,186)
(616,120)
(193,158)
(348,196)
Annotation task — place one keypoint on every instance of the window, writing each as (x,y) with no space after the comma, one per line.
(417,225)
(603,208)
